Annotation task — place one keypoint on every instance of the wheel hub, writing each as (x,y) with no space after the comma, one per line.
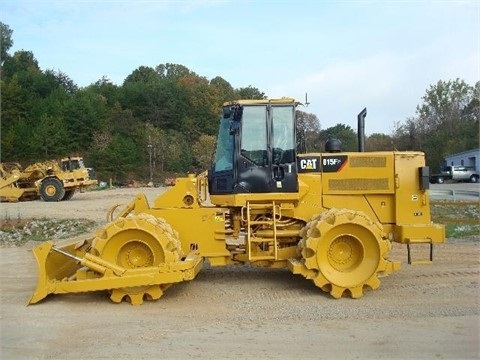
(345,252)
(135,254)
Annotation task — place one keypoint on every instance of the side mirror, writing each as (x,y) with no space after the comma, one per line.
(227,112)
(237,117)
(234,126)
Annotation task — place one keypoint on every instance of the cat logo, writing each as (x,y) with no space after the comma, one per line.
(309,164)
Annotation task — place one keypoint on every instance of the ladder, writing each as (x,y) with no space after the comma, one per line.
(261,248)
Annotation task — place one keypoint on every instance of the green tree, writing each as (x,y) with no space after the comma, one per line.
(23,91)
(249,92)
(21,64)
(121,159)
(179,156)
(19,148)
(172,71)
(379,142)
(203,106)
(13,111)
(49,136)
(62,80)
(143,74)
(344,133)
(224,90)
(109,93)
(6,41)
(449,113)
(84,114)
(203,151)
(122,121)
(308,132)
(444,104)
(472,110)
(171,151)
(157,103)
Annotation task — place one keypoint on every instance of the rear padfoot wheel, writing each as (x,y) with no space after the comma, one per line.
(347,251)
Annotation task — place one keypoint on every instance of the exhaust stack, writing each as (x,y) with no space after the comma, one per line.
(361,129)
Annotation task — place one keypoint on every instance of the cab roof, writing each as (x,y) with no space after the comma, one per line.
(280,101)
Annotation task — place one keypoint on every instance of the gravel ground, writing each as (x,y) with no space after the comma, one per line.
(241,312)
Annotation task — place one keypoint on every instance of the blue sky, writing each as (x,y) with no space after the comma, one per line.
(346,55)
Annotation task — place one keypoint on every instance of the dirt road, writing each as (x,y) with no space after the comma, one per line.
(420,312)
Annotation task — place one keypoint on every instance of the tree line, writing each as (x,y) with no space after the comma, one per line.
(163,121)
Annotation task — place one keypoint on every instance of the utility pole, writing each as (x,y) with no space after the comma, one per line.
(150,160)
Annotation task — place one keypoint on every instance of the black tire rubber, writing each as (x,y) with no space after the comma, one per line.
(52,190)
(68,194)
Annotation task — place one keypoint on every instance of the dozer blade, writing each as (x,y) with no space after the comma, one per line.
(68,268)
(52,267)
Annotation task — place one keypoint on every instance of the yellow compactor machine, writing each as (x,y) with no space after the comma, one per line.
(330,217)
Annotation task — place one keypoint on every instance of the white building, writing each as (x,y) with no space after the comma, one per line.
(470,158)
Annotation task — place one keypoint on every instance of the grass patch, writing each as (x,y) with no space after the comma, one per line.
(461,219)
(16,232)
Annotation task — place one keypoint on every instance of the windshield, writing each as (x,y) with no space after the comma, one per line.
(224,152)
(72,164)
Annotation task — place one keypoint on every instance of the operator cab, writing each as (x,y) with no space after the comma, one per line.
(70,164)
(255,148)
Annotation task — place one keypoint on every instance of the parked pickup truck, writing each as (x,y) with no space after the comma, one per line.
(455,173)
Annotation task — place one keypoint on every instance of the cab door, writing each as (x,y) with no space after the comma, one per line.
(283,154)
(265,156)
(252,166)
